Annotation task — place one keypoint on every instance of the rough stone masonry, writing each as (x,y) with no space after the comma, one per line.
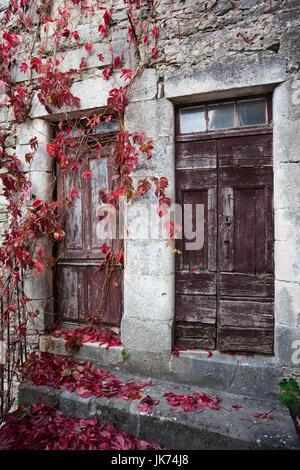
(202,58)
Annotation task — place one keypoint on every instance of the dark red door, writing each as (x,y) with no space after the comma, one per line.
(245,244)
(225,290)
(82,289)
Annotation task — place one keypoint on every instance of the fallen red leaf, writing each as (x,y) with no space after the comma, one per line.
(146,404)
(43,427)
(209,353)
(197,401)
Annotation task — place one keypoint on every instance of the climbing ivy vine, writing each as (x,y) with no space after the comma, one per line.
(34,37)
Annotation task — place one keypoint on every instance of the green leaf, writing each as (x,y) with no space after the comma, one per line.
(124,354)
(290,385)
(288,399)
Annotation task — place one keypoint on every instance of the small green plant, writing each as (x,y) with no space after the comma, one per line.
(290,392)
(124,354)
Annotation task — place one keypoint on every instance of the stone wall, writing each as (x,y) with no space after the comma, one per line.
(209,50)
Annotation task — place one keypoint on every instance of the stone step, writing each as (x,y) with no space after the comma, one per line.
(226,428)
(253,376)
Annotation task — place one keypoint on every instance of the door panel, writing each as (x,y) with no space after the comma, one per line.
(73,243)
(196,276)
(99,179)
(199,335)
(196,308)
(244,229)
(245,151)
(226,228)
(97,283)
(246,340)
(190,155)
(195,258)
(250,314)
(71,288)
(246,285)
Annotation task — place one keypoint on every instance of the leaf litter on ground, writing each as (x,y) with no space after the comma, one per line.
(42,427)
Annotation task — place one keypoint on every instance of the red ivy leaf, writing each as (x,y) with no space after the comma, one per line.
(155,53)
(38,265)
(89,47)
(104,248)
(86,174)
(23,67)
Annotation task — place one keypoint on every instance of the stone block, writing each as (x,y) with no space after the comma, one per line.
(116,412)
(287,345)
(41,161)
(4,4)
(287,304)
(29,394)
(43,308)
(138,221)
(6,115)
(250,376)
(149,257)
(222,7)
(34,128)
(71,404)
(149,297)
(154,117)
(289,44)
(162,162)
(286,186)
(142,221)
(100,356)
(40,286)
(72,59)
(194,431)
(246,4)
(286,142)
(93,93)
(286,100)
(287,261)
(287,225)
(146,335)
(89,34)
(238,73)
(145,87)
(42,184)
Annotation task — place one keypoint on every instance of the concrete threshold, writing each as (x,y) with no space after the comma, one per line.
(252,376)
(226,428)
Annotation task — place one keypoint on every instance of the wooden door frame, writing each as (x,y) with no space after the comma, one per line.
(101,139)
(219,135)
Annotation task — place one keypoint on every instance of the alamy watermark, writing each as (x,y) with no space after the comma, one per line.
(296,354)
(3,96)
(142,222)
(2,352)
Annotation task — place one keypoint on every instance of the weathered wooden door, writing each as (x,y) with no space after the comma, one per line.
(82,289)
(224,291)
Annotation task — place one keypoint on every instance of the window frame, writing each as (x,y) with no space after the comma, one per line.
(238,130)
